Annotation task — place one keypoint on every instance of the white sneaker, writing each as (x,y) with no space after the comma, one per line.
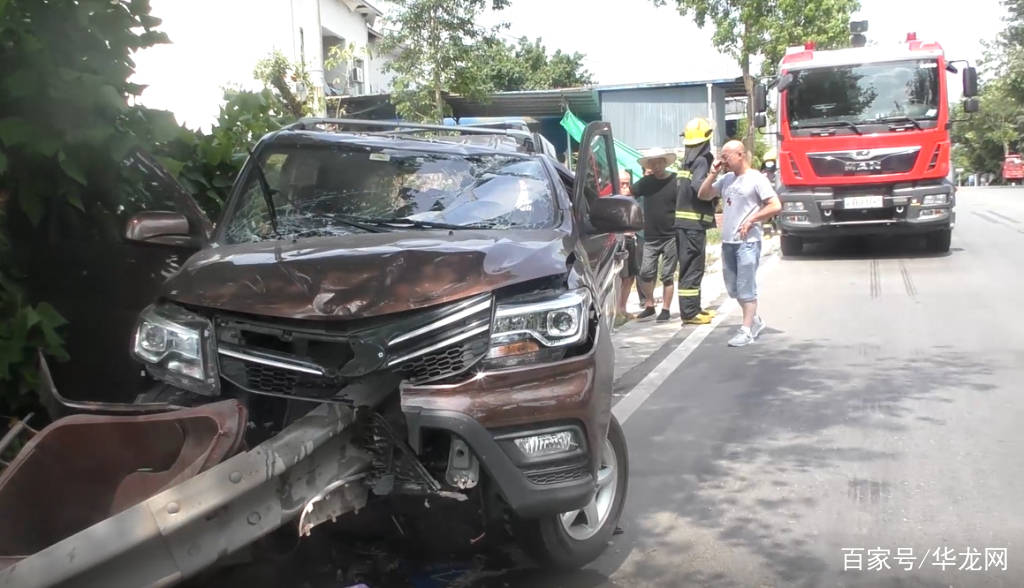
(741,338)
(759,325)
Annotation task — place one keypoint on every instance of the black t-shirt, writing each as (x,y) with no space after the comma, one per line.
(659,205)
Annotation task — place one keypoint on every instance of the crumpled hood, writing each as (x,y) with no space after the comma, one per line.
(364,275)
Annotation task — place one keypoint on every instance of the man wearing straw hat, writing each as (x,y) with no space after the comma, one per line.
(658,189)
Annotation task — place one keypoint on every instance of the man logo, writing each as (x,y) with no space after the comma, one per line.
(862,166)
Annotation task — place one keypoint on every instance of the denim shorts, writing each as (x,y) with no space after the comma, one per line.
(739,267)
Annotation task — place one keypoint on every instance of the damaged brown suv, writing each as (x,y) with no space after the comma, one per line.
(404,311)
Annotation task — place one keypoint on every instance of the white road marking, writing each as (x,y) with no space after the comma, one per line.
(635,398)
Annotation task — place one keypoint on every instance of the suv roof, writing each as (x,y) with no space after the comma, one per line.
(506,138)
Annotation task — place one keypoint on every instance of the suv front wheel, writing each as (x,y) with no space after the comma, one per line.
(570,540)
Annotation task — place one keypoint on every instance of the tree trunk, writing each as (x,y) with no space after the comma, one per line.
(748,86)
(436,73)
(438,102)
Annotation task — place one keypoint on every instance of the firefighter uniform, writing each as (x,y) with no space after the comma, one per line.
(693,218)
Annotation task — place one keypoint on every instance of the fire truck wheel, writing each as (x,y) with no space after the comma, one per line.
(791,245)
(939,240)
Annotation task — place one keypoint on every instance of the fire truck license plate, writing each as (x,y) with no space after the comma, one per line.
(863,202)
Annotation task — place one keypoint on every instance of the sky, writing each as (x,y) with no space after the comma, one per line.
(625,42)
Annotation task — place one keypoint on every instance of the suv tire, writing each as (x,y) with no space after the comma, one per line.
(791,245)
(568,541)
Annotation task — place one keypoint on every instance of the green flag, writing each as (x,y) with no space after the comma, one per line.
(625,155)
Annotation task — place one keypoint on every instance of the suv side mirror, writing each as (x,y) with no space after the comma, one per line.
(615,214)
(159,228)
(760,98)
(971,105)
(970,82)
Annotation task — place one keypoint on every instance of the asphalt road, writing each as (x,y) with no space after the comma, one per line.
(881,410)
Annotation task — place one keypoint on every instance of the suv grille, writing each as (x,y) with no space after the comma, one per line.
(422,346)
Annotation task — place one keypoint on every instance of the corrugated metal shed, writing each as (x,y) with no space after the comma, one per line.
(582,101)
(646,117)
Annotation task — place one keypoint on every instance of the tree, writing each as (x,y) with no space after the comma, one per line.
(998,128)
(434,44)
(764,28)
(65,129)
(527,66)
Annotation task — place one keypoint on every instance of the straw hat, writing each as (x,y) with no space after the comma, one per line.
(650,154)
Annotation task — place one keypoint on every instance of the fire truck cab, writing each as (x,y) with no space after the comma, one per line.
(863,142)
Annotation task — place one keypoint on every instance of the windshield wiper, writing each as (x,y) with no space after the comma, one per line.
(268,196)
(421,224)
(340,219)
(902,118)
(831,125)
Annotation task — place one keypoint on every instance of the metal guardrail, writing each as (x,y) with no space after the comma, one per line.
(309,471)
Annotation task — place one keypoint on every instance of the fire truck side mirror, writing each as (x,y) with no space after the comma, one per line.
(760,98)
(970,82)
(760,120)
(971,105)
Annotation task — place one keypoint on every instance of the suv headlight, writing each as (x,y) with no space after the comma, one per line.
(177,347)
(540,330)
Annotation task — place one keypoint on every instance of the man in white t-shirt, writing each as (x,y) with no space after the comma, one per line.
(747,199)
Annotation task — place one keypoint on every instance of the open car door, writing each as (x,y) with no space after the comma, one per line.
(597,176)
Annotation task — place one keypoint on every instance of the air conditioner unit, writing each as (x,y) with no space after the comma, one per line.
(357,75)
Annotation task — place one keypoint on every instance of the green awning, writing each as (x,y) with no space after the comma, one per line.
(625,155)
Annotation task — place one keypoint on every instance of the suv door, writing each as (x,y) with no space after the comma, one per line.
(597,175)
(100,281)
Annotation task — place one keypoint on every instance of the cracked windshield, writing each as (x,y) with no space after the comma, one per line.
(327,192)
(511,293)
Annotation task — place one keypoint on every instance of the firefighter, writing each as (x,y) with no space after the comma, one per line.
(693,218)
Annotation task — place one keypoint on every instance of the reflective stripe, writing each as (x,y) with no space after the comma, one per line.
(685,174)
(689,293)
(686,214)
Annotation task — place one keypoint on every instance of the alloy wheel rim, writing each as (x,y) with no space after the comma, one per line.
(584,523)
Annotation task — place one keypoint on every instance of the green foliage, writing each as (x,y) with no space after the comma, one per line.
(24,328)
(65,128)
(290,83)
(434,49)
(981,142)
(764,28)
(206,164)
(527,66)
(761,145)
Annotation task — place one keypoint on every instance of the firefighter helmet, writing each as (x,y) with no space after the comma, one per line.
(697,131)
(771,155)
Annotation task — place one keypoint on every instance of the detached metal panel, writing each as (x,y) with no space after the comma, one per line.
(653,117)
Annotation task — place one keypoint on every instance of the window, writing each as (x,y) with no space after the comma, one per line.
(319,191)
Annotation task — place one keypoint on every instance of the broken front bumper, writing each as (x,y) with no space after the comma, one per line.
(307,472)
(493,408)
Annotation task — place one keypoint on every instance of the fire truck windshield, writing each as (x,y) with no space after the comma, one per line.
(873,93)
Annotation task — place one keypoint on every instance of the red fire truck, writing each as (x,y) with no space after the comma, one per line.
(864,143)
(1013,169)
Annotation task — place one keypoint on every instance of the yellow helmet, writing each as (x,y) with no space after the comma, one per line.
(697,131)
(771,155)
